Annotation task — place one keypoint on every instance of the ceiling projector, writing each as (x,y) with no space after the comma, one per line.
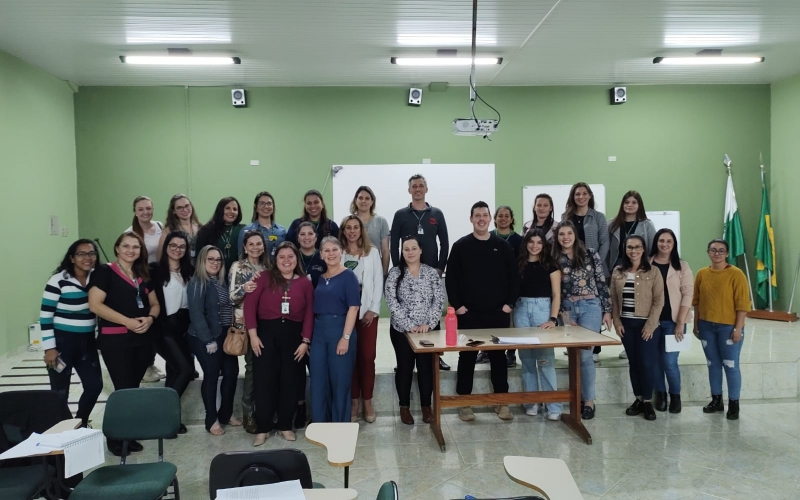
(474,127)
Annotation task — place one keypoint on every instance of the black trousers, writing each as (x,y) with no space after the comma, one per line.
(174,348)
(78,351)
(406,358)
(301,378)
(213,365)
(275,374)
(466,359)
(126,368)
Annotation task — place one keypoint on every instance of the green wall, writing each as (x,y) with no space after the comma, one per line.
(784,179)
(669,142)
(37,157)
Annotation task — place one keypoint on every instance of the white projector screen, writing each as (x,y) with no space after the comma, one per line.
(452,188)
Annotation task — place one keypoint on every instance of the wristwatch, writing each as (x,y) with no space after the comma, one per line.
(554,320)
(347,336)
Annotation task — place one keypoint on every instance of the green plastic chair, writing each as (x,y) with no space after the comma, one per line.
(136,414)
(388,491)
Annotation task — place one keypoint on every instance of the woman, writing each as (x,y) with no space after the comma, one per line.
(504,227)
(336,306)
(538,306)
(721,302)
(120,296)
(222,231)
(211,315)
(279,316)
(364,260)
(144,225)
(543,216)
(68,327)
(170,277)
(631,220)
(181,217)
(678,293)
(310,258)
(637,296)
(363,205)
(263,220)
(415,296)
(243,273)
(314,211)
(584,299)
(590,225)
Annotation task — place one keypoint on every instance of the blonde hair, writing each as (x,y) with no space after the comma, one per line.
(200,269)
(363,240)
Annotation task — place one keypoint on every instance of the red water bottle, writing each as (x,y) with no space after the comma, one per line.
(451,327)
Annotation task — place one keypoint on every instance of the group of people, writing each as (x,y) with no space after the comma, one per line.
(308,298)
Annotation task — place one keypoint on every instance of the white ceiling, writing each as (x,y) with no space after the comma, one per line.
(349,42)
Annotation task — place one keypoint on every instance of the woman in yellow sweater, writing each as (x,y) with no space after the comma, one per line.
(721,302)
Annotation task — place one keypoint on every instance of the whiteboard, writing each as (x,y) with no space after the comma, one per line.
(560,194)
(452,188)
(669,219)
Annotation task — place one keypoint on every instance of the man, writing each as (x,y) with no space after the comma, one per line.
(482,285)
(428,224)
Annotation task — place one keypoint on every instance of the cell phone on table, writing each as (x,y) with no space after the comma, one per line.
(426,343)
(475,343)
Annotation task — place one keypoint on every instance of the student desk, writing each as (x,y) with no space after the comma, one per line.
(548,476)
(574,338)
(340,441)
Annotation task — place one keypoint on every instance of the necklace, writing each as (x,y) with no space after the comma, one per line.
(329,278)
(226,238)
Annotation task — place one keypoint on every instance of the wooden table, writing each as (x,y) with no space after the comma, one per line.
(339,439)
(574,338)
(331,494)
(550,477)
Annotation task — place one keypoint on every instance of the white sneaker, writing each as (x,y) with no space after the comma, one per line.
(152,374)
(596,358)
(623,355)
(532,411)
(554,416)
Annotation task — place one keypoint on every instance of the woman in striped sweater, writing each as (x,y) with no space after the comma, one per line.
(68,327)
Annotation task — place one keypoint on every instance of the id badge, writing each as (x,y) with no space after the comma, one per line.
(139,302)
(284,308)
(420,230)
(273,251)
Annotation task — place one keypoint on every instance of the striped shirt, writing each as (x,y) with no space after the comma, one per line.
(225,310)
(65,309)
(628,309)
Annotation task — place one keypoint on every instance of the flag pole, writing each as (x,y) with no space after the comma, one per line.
(794,285)
(769,271)
(727,161)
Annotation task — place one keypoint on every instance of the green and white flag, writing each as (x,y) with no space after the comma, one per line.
(732,226)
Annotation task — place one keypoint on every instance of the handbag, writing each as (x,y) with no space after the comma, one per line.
(236,342)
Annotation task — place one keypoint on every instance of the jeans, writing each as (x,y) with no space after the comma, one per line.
(538,365)
(497,359)
(642,356)
(212,365)
(587,313)
(78,351)
(721,353)
(331,374)
(668,362)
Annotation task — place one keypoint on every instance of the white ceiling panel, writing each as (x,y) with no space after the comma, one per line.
(350,42)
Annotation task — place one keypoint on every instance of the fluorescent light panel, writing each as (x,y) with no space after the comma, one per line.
(707,60)
(180,60)
(445,61)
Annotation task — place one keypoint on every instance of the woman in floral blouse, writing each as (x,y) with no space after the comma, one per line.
(584,299)
(415,296)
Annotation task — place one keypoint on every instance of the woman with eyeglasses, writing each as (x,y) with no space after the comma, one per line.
(678,293)
(637,296)
(543,216)
(584,300)
(170,277)
(68,327)
(181,217)
(254,260)
(222,231)
(363,205)
(721,302)
(125,303)
(364,260)
(263,220)
(143,224)
(314,211)
(280,318)
(210,316)
(337,301)
(310,258)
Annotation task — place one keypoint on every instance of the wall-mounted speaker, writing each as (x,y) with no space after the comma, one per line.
(238,98)
(619,95)
(414,97)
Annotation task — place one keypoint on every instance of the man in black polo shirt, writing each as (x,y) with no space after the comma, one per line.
(482,285)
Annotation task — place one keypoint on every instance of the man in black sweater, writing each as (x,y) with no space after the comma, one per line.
(482,285)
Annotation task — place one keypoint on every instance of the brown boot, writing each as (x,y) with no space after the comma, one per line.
(427,414)
(405,416)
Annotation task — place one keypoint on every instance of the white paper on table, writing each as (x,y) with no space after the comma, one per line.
(28,448)
(83,449)
(518,340)
(672,345)
(287,490)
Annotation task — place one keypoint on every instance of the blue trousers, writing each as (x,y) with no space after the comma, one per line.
(668,362)
(538,365)
(642,356)
(721,353)
(213,365)
(588,314)
(331,374)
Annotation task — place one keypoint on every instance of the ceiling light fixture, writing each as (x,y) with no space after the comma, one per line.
(180,60)
(704,60)
(445,61)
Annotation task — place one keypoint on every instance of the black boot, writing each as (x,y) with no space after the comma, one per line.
(674,403)
(649,411)
(733,409)
(300,416)
(660,402)
(715,405)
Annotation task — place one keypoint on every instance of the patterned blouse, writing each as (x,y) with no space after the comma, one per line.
(225,313)
(587,280)
(420,299)
(241,272)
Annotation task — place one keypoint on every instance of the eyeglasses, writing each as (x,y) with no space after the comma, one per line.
(86,255)
(262,204)
(173,246)
(637,248)
(214,260)
(717,251)
(182,208)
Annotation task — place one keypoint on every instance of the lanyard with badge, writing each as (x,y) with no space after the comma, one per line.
(135,284)
(285,302)
(420,230)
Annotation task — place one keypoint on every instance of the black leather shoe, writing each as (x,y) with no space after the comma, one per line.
(649,411)
(587,413)
(182,429)
(443,366)
(660,403)
(733,409)
(635,408)
(135,446)
(715,405)
(674,403)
